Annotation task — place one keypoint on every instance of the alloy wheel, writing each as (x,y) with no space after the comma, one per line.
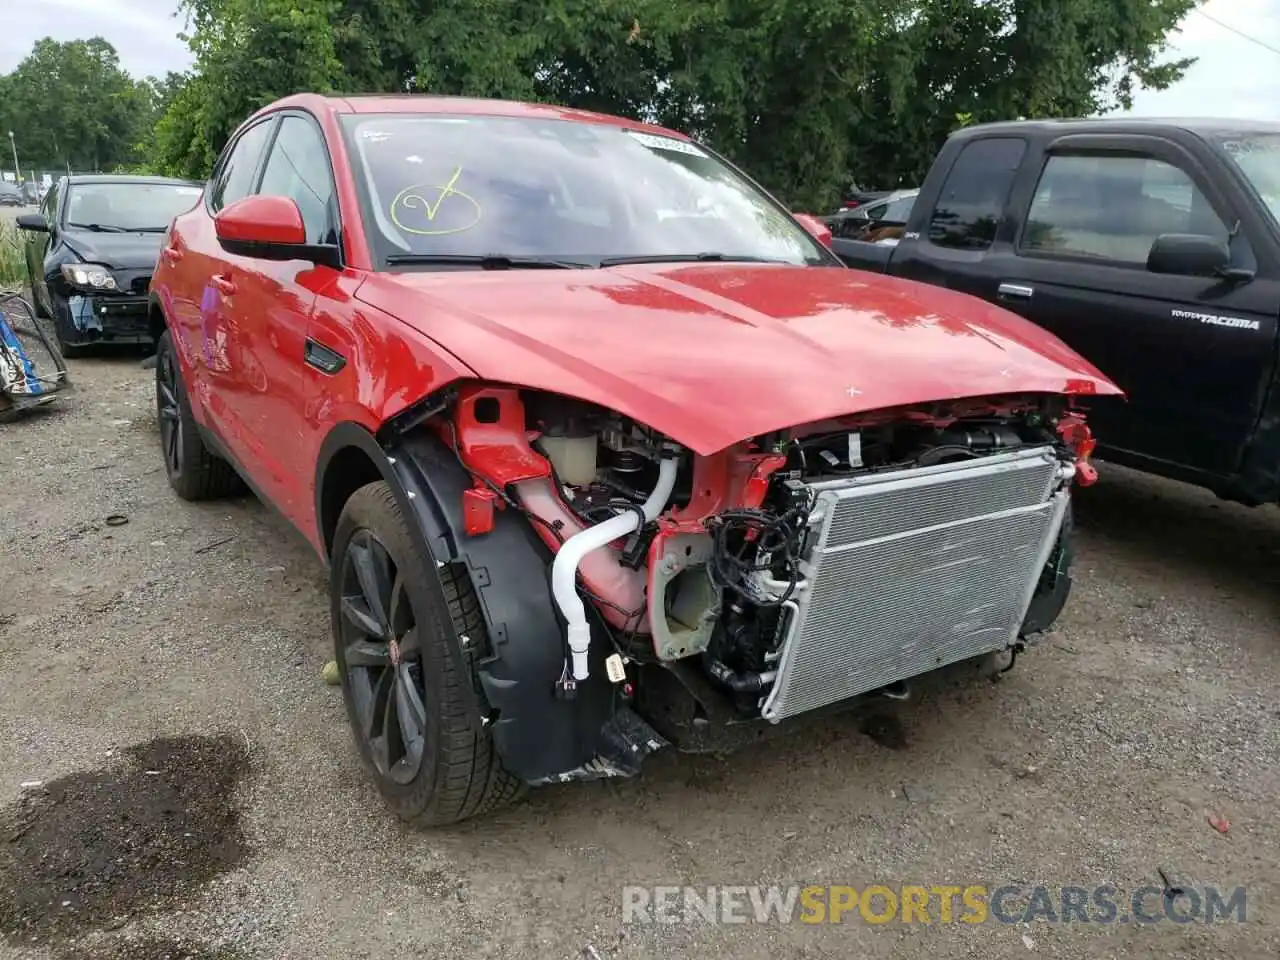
(169,412)
(382,658)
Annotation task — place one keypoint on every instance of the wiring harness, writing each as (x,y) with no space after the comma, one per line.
(748,542)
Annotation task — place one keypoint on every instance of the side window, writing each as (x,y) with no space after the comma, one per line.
(974,194)
(1113,206)
(298,168)
(234,178)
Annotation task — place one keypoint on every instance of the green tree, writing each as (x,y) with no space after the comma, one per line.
(801,93)
(71,105)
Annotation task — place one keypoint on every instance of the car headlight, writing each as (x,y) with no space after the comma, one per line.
(88,276)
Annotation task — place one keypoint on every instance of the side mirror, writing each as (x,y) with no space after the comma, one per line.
(269,228)
(815,226)
(33,222)
(1189,254)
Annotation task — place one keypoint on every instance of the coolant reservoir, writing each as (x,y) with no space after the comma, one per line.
(573,457)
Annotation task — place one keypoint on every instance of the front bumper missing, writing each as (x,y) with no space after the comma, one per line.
(109,316)
(915,570)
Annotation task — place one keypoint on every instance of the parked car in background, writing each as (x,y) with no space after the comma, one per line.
(595,475)
(876,220)
(10,194)
(855,196)
(1150,246)
(91,251)
(31,193)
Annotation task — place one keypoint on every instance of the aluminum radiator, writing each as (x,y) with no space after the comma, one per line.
(913,570)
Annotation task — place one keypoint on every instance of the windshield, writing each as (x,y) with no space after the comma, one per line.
(128,207)
(438,185)
(1258,157)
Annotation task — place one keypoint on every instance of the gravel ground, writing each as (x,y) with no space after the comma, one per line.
(202,799)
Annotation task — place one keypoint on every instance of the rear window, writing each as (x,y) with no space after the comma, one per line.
(973,196)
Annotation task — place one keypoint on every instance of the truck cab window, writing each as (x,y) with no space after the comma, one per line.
(1113,207)
(973,196)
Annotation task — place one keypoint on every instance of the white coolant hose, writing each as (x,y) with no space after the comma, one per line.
(564,571)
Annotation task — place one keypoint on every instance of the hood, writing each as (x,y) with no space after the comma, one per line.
(711,354)
(120,251)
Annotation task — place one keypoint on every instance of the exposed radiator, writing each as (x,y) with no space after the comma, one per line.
(913,570)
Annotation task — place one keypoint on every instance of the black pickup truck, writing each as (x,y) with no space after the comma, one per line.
(1150,246)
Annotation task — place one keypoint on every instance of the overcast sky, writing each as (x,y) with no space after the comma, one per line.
(1236,74)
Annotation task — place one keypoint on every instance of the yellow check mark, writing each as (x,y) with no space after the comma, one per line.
(434,208)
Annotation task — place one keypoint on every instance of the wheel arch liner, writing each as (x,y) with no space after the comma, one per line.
(539,736)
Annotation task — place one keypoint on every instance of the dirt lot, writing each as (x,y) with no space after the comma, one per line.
(201,797)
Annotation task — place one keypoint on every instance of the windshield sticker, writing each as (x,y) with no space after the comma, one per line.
(374,136)
(666,143)
(1252,145)
(435,210)
(413,159)
(190,191)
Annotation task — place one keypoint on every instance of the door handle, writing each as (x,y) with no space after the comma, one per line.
(223,284)
(317,355)
(171,254)
(1018,290)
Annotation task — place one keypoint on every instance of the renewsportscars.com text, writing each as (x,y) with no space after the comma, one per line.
(943,903)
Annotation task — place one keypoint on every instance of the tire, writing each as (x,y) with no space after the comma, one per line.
(194,472)
(431,762)
(71,351)
(41,312)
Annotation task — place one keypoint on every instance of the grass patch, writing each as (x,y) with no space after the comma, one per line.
(13,265)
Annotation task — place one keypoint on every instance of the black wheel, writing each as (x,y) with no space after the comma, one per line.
(71,350)
(194,472)
(41,312)
(35,300)
(406,698)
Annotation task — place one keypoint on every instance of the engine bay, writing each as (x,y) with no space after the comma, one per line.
(703,559)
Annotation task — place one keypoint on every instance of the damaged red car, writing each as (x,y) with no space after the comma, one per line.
(604,450)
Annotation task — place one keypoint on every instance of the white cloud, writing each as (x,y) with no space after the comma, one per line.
(1234,76)
(144,32)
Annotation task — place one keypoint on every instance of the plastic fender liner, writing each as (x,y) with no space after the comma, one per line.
(429,529)
(539,736)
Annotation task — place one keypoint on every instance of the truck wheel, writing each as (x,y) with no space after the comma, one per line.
(194,472)
(407,699)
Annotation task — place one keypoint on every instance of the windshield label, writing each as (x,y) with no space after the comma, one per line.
(666,143)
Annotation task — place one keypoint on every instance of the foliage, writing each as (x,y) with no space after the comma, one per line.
(70,104)
(13,267)
(805,95)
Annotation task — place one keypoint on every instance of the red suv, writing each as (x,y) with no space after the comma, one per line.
(604,451)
